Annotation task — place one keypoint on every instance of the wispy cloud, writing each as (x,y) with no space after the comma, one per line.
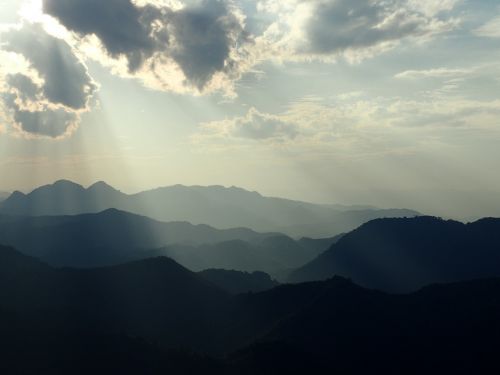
(348,121)
(434,73)
(491,29)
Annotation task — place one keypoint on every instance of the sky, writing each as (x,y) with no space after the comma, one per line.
(392,103)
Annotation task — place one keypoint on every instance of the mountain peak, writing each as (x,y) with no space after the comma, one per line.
(58,187)
(113,212)
(66,183)
(101,186)
(403,254)
(17,193)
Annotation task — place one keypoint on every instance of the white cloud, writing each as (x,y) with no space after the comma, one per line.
(353,122)
(254,126)
(434,73)
(432,8)
(491,29)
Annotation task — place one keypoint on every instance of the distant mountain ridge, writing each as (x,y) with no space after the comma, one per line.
(234,207)
(401,255)
(276,255)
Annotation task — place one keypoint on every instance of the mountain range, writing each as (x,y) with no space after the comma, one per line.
(235,207)
(402,255)
(87,287)
(112,237)
(394,255)
(154,316)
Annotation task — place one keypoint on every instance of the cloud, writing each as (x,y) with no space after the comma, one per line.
(341,25)
(490,30)
(202,46)
(350,122)
(305,122)
(353,28)
(255,126)
(52,123)
(433,8)
(433,73)
(122,27)
(201,40)
(204,36)
(191,46)
(66,80)
(44,86)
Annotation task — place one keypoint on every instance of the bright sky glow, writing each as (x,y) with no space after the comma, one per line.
(389,103)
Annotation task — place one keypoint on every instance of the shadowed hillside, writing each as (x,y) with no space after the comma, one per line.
(237,282)
(406,254)
(277,255)
(3,196)
(346,329)
(155,298)
(113,237)
(150,316)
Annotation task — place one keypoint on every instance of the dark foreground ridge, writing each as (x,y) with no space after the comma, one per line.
(155,317)
(237,282)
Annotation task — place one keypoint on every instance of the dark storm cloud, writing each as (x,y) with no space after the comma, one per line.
(198,37)
(66,80)
(338,25)
(212,43)
(47,98)
(24,85)
(204,35)
(47,122)
(123,28)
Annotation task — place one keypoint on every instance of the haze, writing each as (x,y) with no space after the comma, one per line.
(399,108)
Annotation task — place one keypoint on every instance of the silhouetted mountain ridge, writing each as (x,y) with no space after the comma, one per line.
(235,207)
(101,319)
(405,254)
(113,237)
(155,298)
(275,254)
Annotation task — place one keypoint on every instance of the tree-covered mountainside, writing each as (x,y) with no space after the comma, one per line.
(112,237)
(402,255)
(237,282)
(154,316)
